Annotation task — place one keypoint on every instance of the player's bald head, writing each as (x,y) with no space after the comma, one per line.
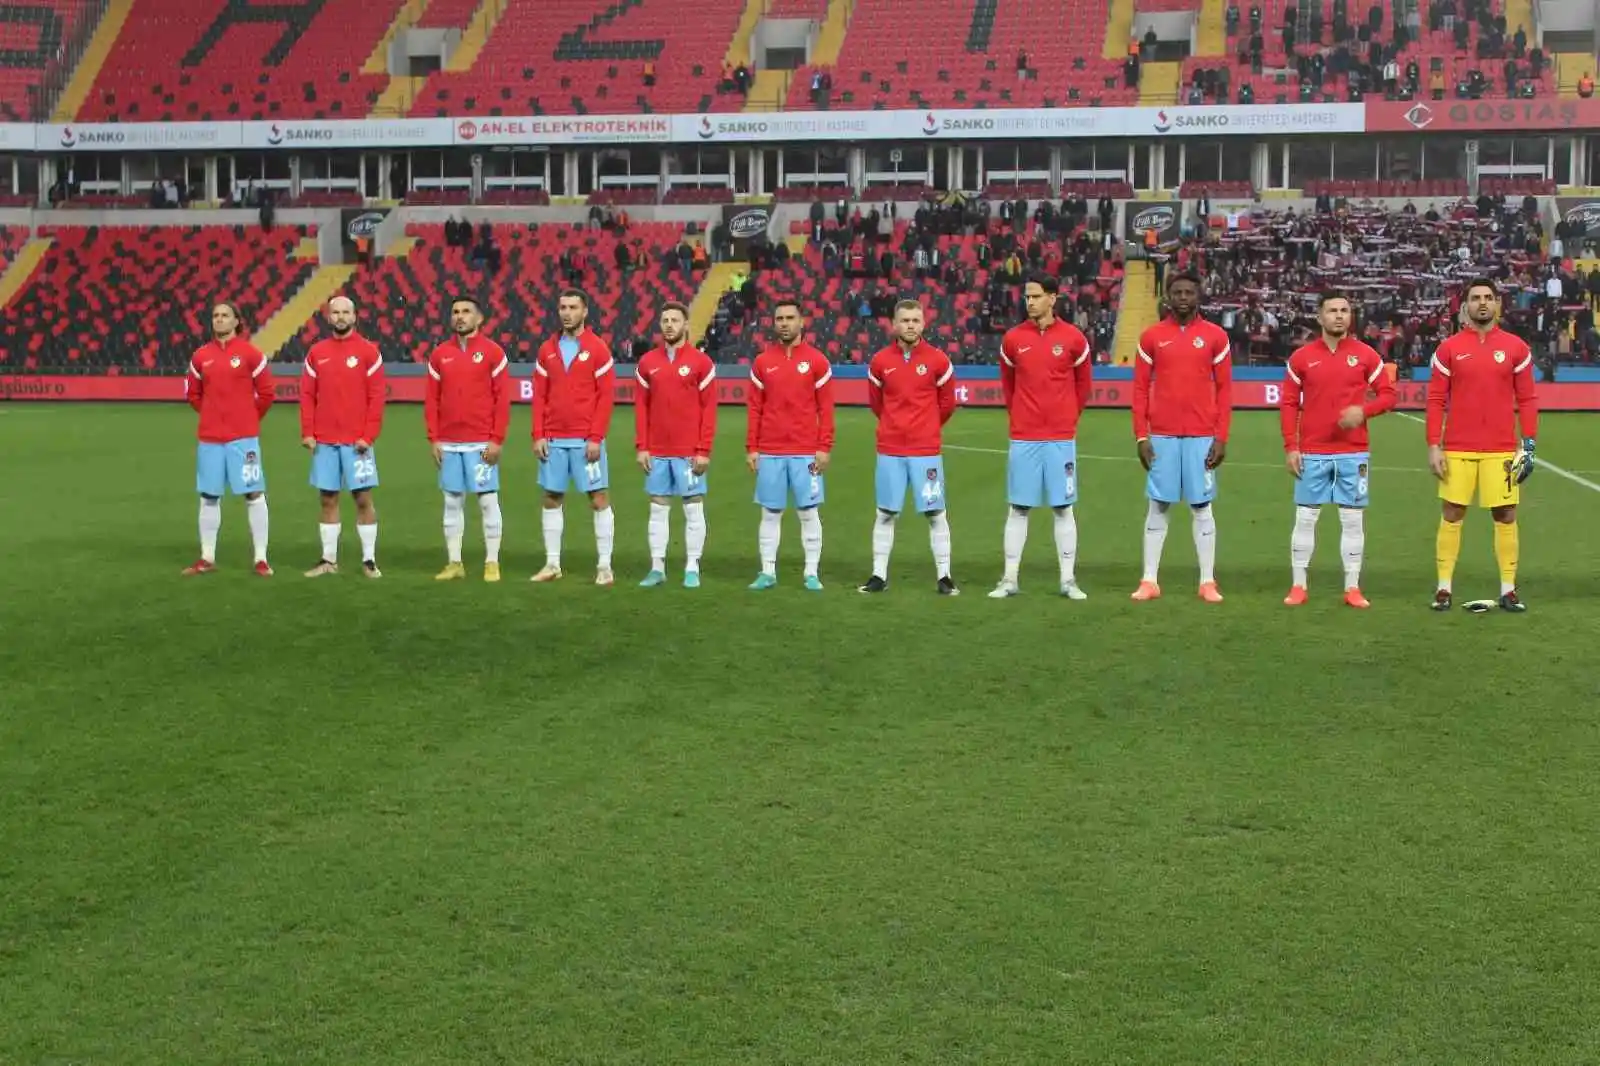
(341,315)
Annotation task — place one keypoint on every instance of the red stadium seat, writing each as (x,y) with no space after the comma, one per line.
(213,60)
(913,54)
(585,57)
(90,303)
(33,38)
(403,302)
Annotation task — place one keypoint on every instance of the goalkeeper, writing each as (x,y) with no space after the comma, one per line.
(1481,388)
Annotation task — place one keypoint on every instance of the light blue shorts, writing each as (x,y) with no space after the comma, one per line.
(234,466)
(674,477)
(340,466)
(922,474)
(779,476)
(1179,472)
(467,472)
(1041,473)
(569,465)
(1339,479)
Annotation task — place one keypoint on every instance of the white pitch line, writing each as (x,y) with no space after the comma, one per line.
(1230,464)
(1540,462)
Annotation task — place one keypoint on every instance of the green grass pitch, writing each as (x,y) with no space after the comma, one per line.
(346,822)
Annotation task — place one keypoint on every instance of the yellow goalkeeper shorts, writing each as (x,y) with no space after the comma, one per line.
(1488,473)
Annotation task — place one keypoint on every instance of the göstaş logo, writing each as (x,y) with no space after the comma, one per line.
(1163,123)
(930,125)
(466,129)
(705,129)
(1420,116)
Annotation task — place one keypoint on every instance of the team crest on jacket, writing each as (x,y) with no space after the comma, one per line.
(1351,360)
(477,357)
(1499,357)
(921,370)
(234,362)
(1058,351)
(583,357)
(352,362)
(803,367)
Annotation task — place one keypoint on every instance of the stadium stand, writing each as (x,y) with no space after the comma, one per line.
(1404,272)
(911,54)
(969,276)
(205,60)
(136,298)
(213,59)
(1315,52)
(402,301)
(597,65)
(33,44)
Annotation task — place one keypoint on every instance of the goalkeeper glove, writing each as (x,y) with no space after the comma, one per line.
(1522,465)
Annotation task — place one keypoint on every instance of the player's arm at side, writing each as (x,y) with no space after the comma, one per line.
(755,406)
(1381,382)
(1439,392)
(1143,371)
(605,395)
(947,391)
(875,387)
(194,385)
(1222,380)
(430,401)
(708,408)
(377,396)
(1289,401)
(308,396)
(823,376)
(1083,369)
(266,391)
(500,398)
(641,409)
(1008,370)
(1526,393)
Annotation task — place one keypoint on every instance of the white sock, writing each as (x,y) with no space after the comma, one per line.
(882,544)
(658,532)
(1016,538)
(330,541)
(553,518)
(1352,544)
(455,524)
(1067,543)
(1205,542)
(694,533)
(939,538)
(210,525)
(1302,543)
(256,513)
(811,539)
(493,528)
(605,535)
(1155,538)
(369,542)
(767,540)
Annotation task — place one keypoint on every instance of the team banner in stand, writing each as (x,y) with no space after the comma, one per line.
(733,389)
(780,127)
